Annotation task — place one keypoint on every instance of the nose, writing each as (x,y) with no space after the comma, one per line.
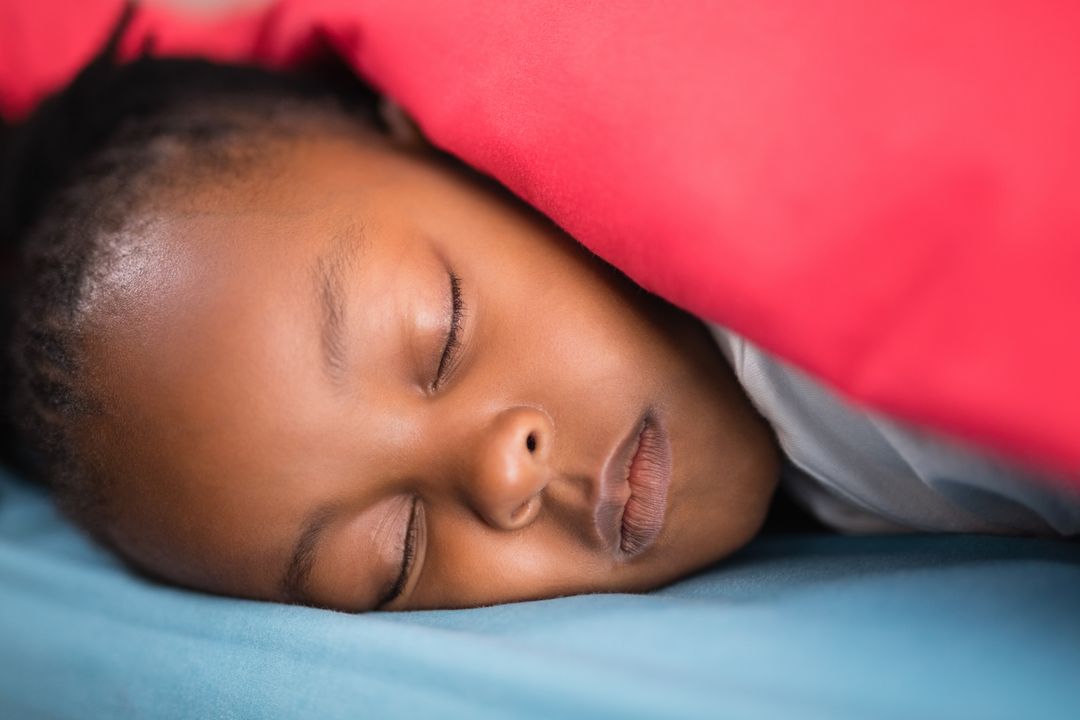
(511,467)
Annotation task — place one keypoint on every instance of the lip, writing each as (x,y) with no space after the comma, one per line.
(633,493)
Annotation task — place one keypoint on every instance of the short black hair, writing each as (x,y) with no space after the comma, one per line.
(72,175)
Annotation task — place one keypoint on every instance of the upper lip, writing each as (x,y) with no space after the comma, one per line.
(614,489)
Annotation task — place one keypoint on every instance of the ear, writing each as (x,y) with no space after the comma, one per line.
(402,128)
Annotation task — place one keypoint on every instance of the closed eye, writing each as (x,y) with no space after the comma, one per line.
(447,361)
(407,557)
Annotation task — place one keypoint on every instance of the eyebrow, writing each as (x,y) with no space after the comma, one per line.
(294,581)
(331,273)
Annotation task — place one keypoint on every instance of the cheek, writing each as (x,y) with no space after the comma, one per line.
(575,333)
(468,565)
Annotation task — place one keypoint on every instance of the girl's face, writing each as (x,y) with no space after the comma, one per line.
(363,380)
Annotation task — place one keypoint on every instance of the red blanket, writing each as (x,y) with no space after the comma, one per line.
(883,193)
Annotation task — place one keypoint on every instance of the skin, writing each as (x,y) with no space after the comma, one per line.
(230,429)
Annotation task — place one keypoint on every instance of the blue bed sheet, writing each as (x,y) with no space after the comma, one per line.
(793,627)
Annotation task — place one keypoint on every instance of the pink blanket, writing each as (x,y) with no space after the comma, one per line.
(883,193)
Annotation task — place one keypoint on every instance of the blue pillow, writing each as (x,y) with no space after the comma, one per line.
(806,627)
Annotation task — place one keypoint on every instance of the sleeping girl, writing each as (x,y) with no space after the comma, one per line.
(268,344)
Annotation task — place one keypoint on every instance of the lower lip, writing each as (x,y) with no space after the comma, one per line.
(649,478)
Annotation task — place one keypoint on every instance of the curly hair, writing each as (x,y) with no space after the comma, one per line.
(73,180)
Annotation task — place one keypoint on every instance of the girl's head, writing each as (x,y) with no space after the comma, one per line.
(267,349)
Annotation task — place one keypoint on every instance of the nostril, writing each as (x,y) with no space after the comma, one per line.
(530,442)
(520,510)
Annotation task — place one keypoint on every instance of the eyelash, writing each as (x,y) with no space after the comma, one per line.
(453,337)
(408,556)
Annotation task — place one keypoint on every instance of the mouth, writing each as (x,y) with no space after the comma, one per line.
(635,481)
